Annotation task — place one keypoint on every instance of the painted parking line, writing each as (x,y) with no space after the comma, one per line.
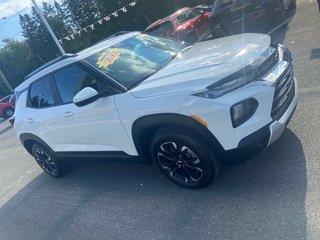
(5,130)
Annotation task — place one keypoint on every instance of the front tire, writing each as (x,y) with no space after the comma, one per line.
(184,158)
(48,162)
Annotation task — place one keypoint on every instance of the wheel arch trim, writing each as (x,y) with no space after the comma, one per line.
(155,121)
(26,137)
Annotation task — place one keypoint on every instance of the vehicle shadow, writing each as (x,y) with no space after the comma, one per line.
(261,199)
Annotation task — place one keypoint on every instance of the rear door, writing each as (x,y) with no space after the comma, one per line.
(43,116)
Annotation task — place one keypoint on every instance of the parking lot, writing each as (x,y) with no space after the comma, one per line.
(274,195)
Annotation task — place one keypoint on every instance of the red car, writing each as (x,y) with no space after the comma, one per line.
(187,24)
(6,108)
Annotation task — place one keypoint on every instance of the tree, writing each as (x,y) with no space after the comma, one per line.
(17,60)
(85,12)
(38,36)
(63,14)
(48,9)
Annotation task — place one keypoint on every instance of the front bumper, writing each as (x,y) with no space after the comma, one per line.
(278,127)
(268,134)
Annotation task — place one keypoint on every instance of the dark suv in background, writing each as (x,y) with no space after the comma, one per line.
(237,16)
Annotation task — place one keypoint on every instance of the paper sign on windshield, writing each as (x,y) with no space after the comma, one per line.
(108,58)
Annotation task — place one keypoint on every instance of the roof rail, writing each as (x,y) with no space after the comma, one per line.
(58,59)
(118,33)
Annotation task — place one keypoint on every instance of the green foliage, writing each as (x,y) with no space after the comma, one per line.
(18,58)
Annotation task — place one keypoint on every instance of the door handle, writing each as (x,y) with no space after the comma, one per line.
(67,114)
(30,120)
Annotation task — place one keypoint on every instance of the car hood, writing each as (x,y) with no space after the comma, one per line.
(204,64)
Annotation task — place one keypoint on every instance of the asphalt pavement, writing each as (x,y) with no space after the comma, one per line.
(274,195)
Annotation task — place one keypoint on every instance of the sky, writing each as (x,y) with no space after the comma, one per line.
(9,17)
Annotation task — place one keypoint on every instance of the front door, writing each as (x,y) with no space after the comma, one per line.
(96,127)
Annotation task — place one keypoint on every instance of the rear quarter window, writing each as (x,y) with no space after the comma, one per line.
(40,95)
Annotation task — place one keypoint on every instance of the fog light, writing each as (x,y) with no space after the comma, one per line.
(242,111)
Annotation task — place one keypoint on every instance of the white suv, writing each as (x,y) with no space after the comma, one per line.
(143,97)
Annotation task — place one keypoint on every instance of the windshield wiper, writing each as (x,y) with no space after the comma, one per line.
(186,48)
(167,61)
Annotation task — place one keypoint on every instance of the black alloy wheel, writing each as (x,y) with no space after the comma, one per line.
(180,162)
(184,159)
(48,162)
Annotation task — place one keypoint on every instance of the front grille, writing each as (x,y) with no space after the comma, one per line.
(284,93)
(269,63)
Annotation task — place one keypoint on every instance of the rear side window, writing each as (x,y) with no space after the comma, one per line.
(41,94)
(72,79)
(5,100)
(187,15)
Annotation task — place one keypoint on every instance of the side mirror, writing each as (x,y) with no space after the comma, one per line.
(85,96)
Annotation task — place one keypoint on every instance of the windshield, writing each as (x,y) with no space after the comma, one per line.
(133,60)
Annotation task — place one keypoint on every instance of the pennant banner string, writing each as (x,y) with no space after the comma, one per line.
(100,21)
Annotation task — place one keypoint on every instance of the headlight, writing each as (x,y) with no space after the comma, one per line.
(281,50)
(228,84)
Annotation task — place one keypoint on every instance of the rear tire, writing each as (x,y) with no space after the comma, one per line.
(184,158)
(48,162)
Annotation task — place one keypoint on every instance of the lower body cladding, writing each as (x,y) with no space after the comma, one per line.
(275,99)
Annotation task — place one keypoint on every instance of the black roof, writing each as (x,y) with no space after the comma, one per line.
(58,59)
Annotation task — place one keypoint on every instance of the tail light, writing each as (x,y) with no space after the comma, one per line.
(11,121)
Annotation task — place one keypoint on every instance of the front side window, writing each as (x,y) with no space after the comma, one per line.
(131,61)
(41,94)
(73,79)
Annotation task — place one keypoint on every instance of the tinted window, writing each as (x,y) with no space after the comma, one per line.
(164,30)
(187,15)
(41,94)
(71,80)
(5,100)
(131,61)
